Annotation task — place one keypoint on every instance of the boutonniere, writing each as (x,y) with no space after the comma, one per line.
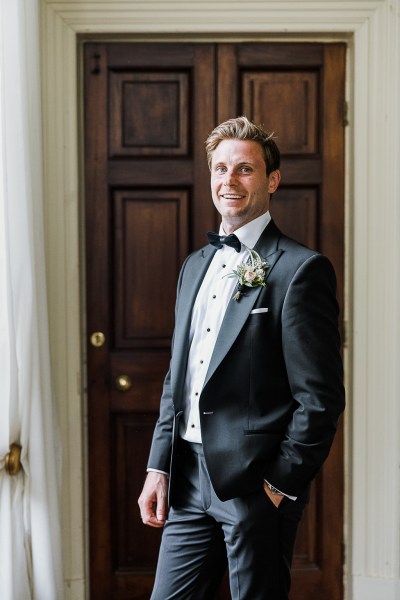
(250,273)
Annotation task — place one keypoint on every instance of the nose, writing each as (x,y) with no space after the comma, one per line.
(229,178)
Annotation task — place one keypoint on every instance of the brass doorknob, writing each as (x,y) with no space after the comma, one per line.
(97,339)
(123,383)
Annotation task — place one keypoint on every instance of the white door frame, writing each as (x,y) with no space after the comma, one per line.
(372,346)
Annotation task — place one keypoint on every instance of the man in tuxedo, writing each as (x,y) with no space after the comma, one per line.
(251,401)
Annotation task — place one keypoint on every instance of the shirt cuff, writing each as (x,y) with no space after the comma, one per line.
(283,493)
(157,471)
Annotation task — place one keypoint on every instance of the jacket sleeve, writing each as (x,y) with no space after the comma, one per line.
(311,349)
(160,452)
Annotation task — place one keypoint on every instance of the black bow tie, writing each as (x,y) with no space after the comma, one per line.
(230,240)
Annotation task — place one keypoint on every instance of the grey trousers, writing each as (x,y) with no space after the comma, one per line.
(203,534)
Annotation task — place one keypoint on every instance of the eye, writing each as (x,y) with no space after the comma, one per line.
(220,169)
(246,169)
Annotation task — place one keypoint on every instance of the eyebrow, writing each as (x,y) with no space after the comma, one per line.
(240,164)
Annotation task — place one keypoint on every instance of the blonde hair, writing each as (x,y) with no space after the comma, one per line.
(241,128)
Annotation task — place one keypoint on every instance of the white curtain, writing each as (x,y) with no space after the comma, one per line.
(30,537)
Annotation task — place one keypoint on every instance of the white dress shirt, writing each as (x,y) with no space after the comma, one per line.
(209,309)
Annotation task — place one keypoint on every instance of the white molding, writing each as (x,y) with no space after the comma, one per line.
(61,185)
(373,244)
(188,16)
(370,588)
(376,340)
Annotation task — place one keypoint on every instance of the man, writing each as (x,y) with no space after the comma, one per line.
(251,401)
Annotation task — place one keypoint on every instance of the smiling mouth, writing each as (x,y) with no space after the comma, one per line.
(231,196)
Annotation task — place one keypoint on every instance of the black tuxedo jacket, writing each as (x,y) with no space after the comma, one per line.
(273,392)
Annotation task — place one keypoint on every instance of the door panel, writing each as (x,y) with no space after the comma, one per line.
(292,104)
(301,203)
(149,114)
(148,110)
(141,266)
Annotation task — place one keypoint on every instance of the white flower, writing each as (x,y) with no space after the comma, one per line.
(250,273)
(250,276)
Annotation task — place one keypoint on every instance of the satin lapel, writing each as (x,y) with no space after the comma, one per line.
(237,312)
(191,281)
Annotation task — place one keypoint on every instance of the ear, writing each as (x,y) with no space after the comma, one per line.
(274,180)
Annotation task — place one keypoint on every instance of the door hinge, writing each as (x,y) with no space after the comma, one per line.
(345,113)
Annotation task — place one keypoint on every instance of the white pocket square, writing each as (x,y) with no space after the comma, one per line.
(257,311)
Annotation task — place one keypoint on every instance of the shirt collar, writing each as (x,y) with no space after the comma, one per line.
(249,234)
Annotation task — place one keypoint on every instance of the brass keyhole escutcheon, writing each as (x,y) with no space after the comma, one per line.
(123,383)
(97,339)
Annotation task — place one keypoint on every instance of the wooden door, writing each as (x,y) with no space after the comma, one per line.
(148,109)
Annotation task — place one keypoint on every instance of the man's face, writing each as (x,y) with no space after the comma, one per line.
(240,185)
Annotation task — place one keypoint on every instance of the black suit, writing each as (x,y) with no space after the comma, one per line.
(273,392)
